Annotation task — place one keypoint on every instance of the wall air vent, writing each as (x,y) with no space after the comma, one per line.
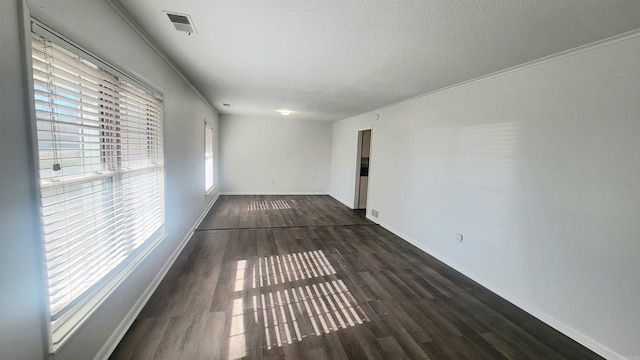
(182,22)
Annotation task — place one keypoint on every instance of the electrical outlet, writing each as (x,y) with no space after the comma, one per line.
(459,237)
(374,212)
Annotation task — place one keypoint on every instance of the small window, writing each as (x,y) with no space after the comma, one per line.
(208,158)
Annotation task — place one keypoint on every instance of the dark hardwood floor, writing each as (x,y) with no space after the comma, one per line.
(234,212)
(304,277)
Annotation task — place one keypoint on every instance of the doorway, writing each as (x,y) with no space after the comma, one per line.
(363,161)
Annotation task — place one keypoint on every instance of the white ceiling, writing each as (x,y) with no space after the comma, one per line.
(330,59)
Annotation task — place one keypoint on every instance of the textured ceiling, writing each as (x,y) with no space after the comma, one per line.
(330,59)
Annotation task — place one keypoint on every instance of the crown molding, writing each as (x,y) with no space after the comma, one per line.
(124,14)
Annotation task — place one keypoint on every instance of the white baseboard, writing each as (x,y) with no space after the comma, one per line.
(350,206)
(131,316)
(567,330)
(272,193)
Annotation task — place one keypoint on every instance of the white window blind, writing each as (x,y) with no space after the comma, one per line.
(99,139)
(208,157)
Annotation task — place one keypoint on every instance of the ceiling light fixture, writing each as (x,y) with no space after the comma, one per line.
(285,112)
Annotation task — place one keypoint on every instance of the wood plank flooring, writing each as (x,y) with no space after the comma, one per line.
(304,277)
(233,212)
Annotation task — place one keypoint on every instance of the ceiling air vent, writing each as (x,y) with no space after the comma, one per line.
(182,22)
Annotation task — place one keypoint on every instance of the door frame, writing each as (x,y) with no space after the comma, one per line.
(356,193)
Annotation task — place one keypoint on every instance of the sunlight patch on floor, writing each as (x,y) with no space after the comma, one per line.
(290,297)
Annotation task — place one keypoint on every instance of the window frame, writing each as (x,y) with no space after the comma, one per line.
(209,168)
(98,293)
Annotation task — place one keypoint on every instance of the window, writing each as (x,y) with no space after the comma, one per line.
(100,156)
(208,158)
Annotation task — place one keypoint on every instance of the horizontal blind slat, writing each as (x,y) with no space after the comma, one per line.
(107,198)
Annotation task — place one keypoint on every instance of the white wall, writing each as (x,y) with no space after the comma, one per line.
(21,334)
(274,156)
(21,287)
(538,168)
